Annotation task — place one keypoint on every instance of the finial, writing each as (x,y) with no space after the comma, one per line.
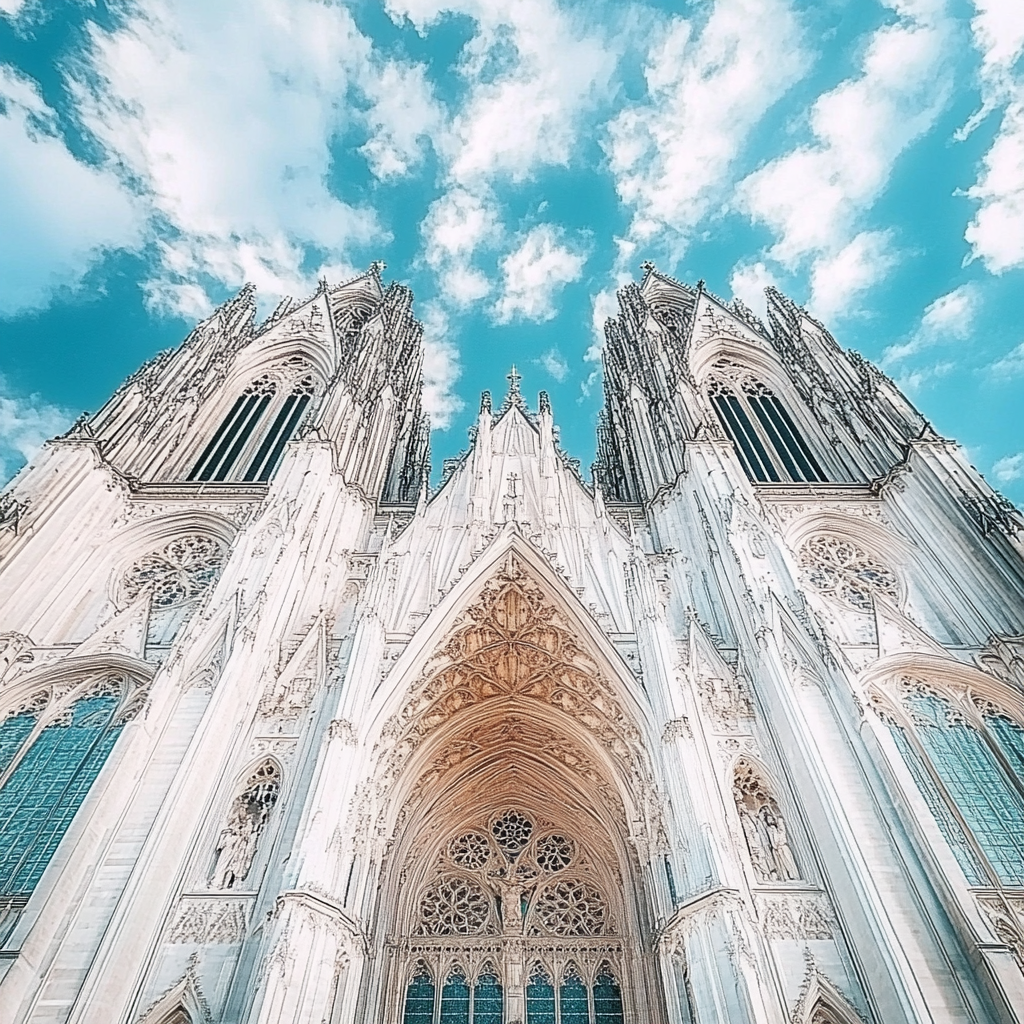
(647,266)
(514,396)
(544,402)
(700,284)
(485,401)
(378,267)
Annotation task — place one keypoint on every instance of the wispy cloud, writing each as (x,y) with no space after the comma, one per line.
(1010,366)
(57,214)
(949,318)
(1009,468)
(671,155)
(535,273)
(553,362)
(26,421)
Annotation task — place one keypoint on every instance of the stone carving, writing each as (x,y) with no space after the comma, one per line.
(236,845)
(209,921)
(341,729)
(764,828)
(179,572)
(795,916)
(15,650)
(726,698)
(571,907)
(841,569)
(1006,915)
(454,906)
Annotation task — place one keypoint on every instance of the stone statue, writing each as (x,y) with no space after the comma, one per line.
(236,848)
(782,856)
(756,843)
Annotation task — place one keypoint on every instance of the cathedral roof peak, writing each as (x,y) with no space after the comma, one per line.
(513,397)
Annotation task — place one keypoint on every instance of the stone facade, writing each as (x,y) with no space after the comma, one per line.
(732,733)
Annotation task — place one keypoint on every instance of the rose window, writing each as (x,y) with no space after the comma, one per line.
(181,571)
(571,907)
(555,852)
(471,850)
(454,906)
(840,569)
(512,832)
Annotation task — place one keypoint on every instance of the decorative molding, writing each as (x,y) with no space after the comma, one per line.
(800,916)
(209,921)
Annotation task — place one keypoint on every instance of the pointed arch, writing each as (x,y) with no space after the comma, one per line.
(821,1002)
(247,818)
(182,1003)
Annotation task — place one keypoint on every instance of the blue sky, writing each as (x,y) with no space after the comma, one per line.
(514,161)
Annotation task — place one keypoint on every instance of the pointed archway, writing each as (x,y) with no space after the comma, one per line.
(512,783)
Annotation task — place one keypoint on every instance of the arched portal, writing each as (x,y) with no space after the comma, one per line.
(521,786)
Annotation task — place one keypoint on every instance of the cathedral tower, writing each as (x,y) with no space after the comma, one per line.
(731,734)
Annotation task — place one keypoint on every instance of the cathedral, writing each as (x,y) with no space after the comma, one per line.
(729,730)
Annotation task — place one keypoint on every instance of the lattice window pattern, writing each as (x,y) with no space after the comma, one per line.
(47,786)
(841,569)
(487,997)
(540,997)
(454,906)
(571,907)
(555,852)
(455,998)
(471,850)
(607,997)
(512,832)
(574,1005)
(178,573)
(419,997)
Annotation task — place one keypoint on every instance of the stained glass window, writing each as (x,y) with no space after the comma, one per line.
(572,998)
(487,998)
(47,787)
(607,998)
(419,998)
(1010,737)
(455,999)
(13,732)
(540,998)
(769,445)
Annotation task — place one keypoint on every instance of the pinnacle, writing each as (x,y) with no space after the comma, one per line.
(513,396)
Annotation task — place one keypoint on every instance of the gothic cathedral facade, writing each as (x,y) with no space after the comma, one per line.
(731,733)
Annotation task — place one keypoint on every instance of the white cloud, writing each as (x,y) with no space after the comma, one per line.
(57,214)
(225,116)
(440,368)
(533,70)
(1009,366)
(11,8)
(748,282)
(554,363)
(25,423)
(672,154)
(996,233)
(949,318)
(603,306)
(456,225)
(1011,467)
(839,278)
(811,196)
(535,273)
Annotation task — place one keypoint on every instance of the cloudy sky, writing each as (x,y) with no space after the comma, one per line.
(514,161)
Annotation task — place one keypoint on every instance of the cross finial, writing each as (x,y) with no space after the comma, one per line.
(647,266)
(514,395)
(378,266)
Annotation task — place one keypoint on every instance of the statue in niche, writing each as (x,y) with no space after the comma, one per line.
(764,828)
(513,894)
(238,840)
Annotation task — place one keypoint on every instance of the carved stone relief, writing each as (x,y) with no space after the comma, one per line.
(764,828)
(795,915)
(209,921)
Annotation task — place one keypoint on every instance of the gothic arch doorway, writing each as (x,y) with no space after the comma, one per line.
(514,887)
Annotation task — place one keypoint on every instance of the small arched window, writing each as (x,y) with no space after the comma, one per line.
(49,758)
(249,443)
(969,765)
(770,447)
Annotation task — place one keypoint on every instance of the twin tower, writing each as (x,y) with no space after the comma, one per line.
(732,733)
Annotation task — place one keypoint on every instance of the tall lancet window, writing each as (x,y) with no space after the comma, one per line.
(967,758)
(50,755)
(770,447)
(249,443)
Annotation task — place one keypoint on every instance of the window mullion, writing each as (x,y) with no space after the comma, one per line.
(242,436)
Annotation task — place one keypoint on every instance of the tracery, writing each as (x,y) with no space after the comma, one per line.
(179,572)
(967,759)
(841,569)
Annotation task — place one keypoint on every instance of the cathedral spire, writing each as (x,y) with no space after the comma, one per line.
(513,396)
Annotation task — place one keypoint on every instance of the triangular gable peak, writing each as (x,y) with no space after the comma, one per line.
(719,333)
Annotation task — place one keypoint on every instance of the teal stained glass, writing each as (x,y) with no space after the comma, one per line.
(948,824)
(607,999)
(419,1000)
(1010,737)
(47,788)
(455,999)
(572,999)
(540,999)
(13,732)
(984,796)
(487,997)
